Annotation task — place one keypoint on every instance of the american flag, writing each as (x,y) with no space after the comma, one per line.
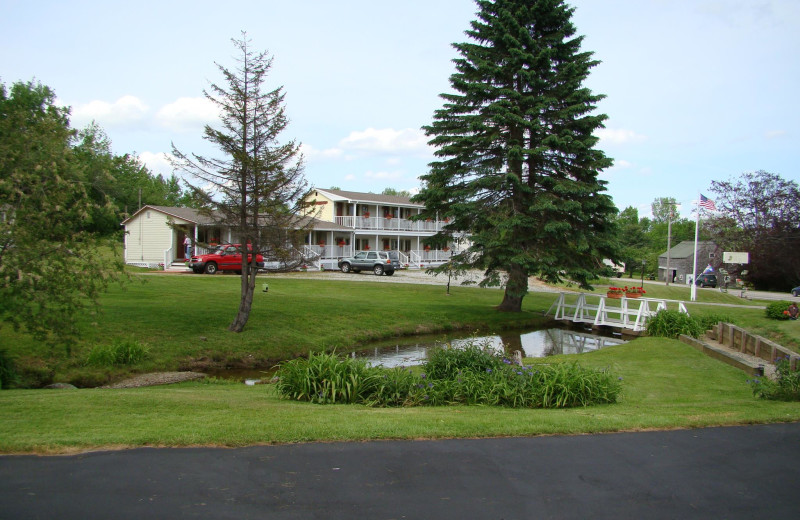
(707,203)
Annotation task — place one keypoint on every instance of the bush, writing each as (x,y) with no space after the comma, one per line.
(8,370)
(121,352)
(325,378)
(786,386)
(778,310)
(473,375)
(447,362)
(711,320)
(671,324)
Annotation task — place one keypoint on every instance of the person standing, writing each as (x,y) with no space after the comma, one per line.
(187,245)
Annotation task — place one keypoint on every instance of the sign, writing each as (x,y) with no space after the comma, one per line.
(735,258)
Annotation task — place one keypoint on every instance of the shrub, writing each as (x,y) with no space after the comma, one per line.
(8,370)
(471,375)
(710,320)
(446,362)
(778,310)
(786,386)
(325,378)
(121,352)
(671,324)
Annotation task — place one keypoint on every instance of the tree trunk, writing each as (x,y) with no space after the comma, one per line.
(246,302)
(516,289)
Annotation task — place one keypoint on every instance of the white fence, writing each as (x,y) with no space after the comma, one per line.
(632,313)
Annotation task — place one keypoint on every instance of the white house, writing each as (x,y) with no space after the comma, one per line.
(154,235)
(350,221)
(342,223)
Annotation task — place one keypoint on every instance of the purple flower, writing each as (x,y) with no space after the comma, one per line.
(488,370)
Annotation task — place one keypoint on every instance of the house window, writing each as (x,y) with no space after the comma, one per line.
(148,214)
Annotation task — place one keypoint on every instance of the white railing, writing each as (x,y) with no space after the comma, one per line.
(167,258)
(330,251)
(390,224)
(632,313)
(419,257)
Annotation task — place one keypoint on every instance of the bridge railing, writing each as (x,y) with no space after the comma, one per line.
(631,313)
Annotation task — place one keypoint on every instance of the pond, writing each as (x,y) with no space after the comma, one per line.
(410,351)
(539,343)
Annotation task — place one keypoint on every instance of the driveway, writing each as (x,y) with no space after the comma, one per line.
(716,473)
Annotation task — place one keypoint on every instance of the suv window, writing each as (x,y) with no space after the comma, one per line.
(372,256)
(360,255)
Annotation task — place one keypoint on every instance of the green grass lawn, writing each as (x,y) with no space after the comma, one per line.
(184,318)
(666,384)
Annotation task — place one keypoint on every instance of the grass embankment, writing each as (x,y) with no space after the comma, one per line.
(666,384)
(184,319)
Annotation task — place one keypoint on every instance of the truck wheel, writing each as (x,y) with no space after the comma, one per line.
(389,273)
(211,268)
(345,267)
(378,270)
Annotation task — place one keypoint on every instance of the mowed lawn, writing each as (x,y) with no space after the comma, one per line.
(666,384)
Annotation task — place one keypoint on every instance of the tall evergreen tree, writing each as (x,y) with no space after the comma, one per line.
(518,169)
(258,184)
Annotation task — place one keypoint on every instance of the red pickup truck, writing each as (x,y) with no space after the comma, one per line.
(227,257)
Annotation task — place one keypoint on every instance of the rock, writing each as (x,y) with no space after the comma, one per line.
(61,386)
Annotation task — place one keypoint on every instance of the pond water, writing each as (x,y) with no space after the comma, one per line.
(414,351)
(540,343)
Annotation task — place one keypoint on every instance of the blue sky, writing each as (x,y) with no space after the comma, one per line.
(697,90)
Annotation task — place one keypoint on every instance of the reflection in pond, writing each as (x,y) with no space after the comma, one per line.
(540,343)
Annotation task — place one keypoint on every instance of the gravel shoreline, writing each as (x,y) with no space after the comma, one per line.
(156,378)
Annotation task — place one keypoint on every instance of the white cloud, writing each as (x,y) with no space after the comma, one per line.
(775,134)
(618,136)
(158,163)
(188,114)
(388,141)
(311,153)
(125,110)
(621,164)
(383,175)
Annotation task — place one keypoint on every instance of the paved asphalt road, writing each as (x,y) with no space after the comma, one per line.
(716,473)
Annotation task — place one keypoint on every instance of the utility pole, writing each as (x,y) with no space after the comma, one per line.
(668,273)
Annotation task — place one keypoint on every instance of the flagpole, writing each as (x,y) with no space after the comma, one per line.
(694,266)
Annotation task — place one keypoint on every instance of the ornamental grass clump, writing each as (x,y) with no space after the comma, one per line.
(472,375)
(121,352)
(671,324)
(785,386)
(325,378)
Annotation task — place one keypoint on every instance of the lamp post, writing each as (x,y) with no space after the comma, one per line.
(643,264)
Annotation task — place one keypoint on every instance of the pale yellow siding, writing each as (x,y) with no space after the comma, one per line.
(148,236)
(320,206)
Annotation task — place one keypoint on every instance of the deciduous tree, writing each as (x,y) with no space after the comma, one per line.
(517,166)
(257,183)
(50,264)
(759,213)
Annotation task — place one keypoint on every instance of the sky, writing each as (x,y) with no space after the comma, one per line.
(696,90)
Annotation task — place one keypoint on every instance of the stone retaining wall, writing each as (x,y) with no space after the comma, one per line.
(745,342)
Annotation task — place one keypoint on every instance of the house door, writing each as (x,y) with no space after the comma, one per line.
(180,249)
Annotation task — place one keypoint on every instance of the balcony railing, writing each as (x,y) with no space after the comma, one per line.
(390,224)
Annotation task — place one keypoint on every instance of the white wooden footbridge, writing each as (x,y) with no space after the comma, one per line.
(631,313)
